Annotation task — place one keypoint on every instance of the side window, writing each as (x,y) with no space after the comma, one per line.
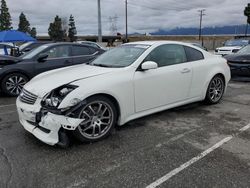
(168,54)
(193,54)
(58,52)
(92,50)
(80,50)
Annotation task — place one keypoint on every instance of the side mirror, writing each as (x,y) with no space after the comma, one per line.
(42,57)
(27,49)
(149,65)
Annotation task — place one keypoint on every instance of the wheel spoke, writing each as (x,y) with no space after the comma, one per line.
(105,117)
(85,122)
(99,129)
(20,80)
(103,112)
(91,109)
(87,128)
(99,108)
(93,132)
(84,112)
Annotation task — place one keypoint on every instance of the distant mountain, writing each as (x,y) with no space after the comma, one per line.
(224,30)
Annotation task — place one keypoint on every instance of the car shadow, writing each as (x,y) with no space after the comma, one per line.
(181,109)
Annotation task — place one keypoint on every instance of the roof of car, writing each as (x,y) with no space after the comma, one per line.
(65,43)
(157,42)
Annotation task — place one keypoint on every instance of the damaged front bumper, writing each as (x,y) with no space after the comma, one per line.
(44,126)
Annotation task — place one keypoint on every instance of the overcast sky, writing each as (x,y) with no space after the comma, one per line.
(143,15)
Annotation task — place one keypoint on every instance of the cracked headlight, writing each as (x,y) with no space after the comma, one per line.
(56,96)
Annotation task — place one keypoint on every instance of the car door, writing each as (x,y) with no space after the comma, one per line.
(58,56)
(167,84)
(83,54)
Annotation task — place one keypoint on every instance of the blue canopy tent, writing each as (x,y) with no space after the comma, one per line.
(14,36)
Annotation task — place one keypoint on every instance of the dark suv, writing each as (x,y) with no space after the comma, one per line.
(15,72)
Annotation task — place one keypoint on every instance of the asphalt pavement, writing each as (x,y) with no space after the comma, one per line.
(183,146)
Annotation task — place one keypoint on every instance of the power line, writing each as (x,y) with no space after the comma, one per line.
(154,8)
(149,6)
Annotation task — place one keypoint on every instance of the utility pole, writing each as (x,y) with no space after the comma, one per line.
(126,13)
(201,16)
(99,21)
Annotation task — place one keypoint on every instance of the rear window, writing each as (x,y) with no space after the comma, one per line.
(81,50)
(193,54)
(92,50)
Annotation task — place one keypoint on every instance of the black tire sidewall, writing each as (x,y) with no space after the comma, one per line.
(77,133)
(208,100)
(3,84)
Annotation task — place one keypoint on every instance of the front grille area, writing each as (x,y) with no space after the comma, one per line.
(27,97)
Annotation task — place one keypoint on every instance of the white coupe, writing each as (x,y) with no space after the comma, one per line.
(125,83)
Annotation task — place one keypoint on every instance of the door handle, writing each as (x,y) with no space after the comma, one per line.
(186,70)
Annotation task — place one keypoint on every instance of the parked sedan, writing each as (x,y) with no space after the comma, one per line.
(16,72)
(125,83)
(240,63)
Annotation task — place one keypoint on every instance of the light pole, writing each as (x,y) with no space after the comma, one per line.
(99,21)
(126,13)
(201,16)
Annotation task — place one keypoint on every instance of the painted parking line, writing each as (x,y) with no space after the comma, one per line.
(195,159)
(2,106)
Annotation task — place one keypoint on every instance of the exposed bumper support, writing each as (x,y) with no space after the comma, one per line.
(47,130)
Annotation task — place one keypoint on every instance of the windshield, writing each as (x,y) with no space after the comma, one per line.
(245,50)
(236,43)
(122,56)
(34,52)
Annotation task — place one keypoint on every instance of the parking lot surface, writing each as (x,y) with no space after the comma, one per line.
(139,153)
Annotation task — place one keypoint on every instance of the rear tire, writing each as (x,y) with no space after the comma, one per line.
(215,90)
(100,116)
(13,83)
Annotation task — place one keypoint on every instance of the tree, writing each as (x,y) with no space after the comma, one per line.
(5,18)
(24,24)
(33,32)
(72,29)
(247,14)
(55,30)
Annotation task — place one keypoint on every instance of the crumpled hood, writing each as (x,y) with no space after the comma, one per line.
(229,48)
(46,82)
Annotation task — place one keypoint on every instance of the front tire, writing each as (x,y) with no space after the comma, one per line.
(12,84)
(100,116)
(215,90)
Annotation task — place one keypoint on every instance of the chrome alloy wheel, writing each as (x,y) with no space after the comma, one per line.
(216,89)
(14,84)
(98,119)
